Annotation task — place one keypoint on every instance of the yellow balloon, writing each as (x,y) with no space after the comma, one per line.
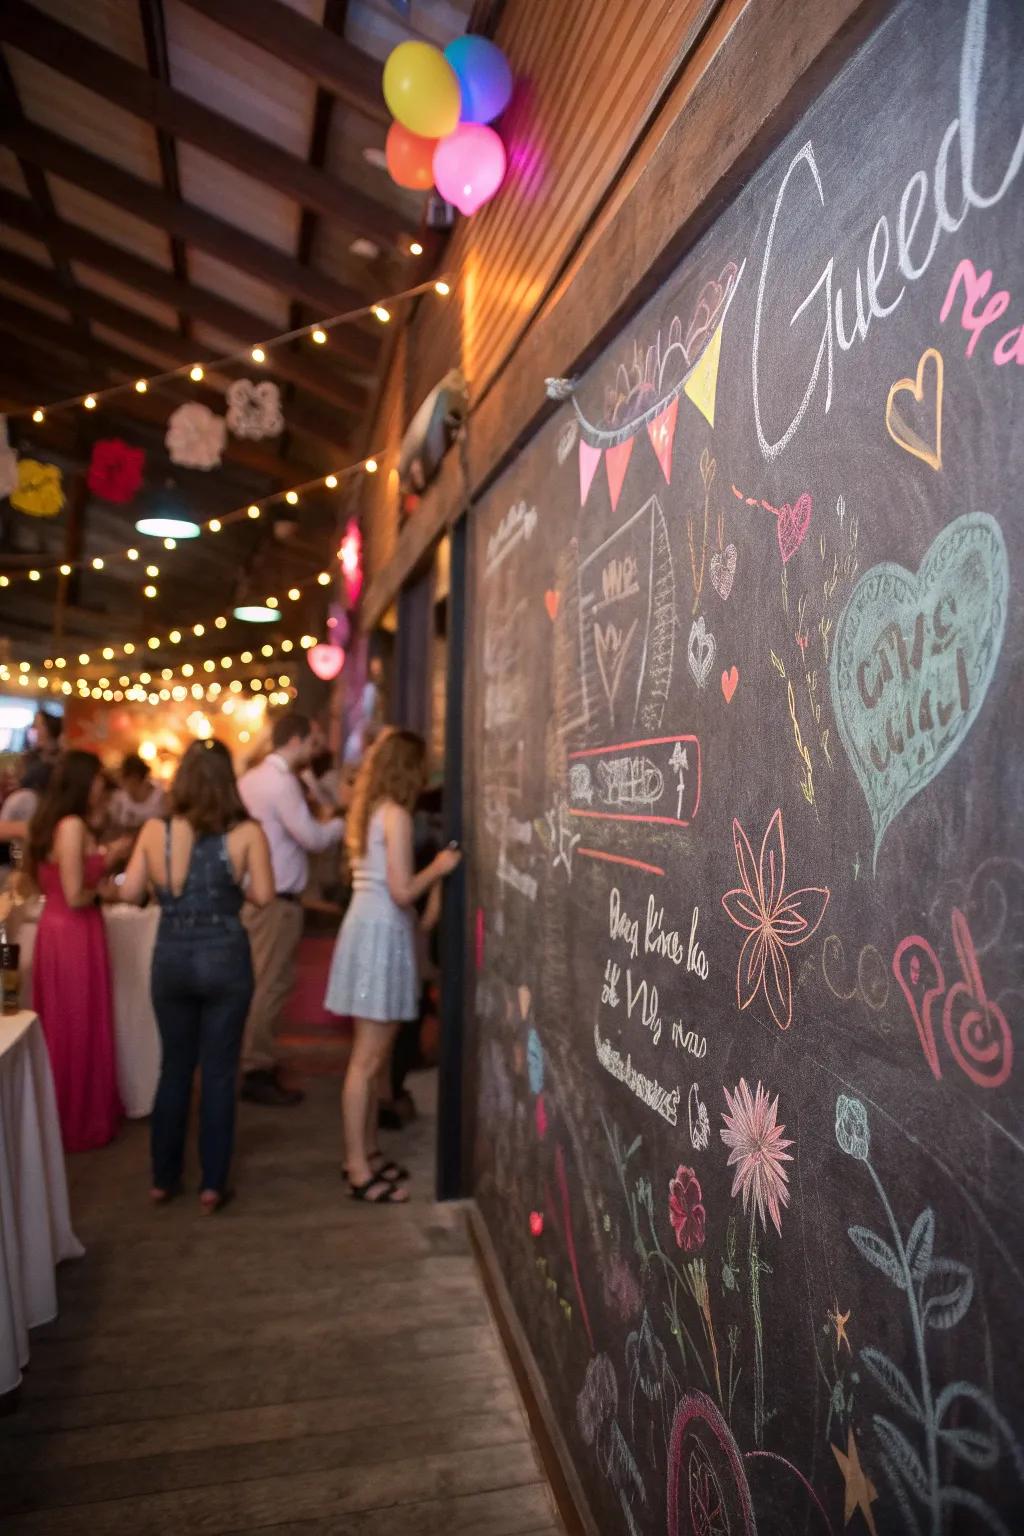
(422,90)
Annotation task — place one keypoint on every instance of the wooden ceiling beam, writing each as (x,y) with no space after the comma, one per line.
(310,373)
(116,367)
(178,350)
(333,63)
(154,36)
(228,244)
(114,78)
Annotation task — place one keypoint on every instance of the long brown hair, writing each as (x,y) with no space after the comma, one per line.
(205,792)
(67,795)
(395,768)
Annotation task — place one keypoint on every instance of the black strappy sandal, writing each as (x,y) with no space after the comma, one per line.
(392,1171)
(388,1193)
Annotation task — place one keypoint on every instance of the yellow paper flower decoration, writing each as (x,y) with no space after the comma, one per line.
(39,492)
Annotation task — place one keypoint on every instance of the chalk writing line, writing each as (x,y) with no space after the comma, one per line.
(619,858)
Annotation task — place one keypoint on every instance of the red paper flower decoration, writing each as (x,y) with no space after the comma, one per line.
(115,470)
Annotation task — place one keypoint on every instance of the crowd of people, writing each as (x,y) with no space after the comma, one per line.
(227,860)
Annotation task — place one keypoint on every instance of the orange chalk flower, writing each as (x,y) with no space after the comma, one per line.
(774,920)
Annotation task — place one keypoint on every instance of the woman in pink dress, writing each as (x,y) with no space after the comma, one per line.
(71,969)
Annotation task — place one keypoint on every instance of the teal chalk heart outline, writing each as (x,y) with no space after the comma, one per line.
(888,593)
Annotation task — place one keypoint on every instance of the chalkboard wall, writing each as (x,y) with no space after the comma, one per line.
(746,837)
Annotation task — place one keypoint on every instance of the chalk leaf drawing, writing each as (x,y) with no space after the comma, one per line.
(913,421)
(723,570)
(700,652)
(775,921)
(730,681)
(977,1032)
(792,525)
(938,1292)
(913,659)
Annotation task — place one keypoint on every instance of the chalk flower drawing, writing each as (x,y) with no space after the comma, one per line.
(774,920)
(959,1422)
(757,1150)
(685,1210)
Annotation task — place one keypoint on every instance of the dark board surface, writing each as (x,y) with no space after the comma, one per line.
(745,848)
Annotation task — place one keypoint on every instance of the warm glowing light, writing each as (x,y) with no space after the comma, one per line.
(294,594)
(370,466)
(23,666)
(168,528)
(415,248)
(165,694)
(149,591)
(38,415)
(132,554)
(178,693)
(199,629)
(65,687)
(170,544)
(307,642)
(256,613)
(129,649)
(225,661)
(197,690)
(287,645)
(175,636)
(258,355)
(235,685)
(271,602)
(284,680)
(245,658)
(33,575)
(188,669)
(89,402)
(208,666)
(144,677)
(319,336)
(324,578)
(108,653)
(331,482)
(243,735)
(442,288)
(153,643)
(382,314)
(65,570)
(166,673)
(141,386)
(97,563)
(291,497)
(83,659)
(152,570)
(254,511)
(214,525)
(268,650)
(256,685)
(195,373)
(60,662)
(124,681)
(221,622)
(5,581)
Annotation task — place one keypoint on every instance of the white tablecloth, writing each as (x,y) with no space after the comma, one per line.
(131,934)
(35,1225)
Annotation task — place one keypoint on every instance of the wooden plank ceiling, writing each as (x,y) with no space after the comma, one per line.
(178,180)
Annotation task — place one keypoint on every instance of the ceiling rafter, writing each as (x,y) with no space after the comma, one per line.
(333,63)
(151,204)
(313,373)
(110,76)
(154,33)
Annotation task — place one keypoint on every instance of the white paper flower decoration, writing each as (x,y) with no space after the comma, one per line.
(195,436)
(8,463)
(254,410)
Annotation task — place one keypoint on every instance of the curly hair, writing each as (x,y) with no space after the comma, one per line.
(395,768)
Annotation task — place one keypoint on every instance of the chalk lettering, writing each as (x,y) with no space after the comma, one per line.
(620,926)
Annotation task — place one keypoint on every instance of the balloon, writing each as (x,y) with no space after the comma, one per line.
(422,90)
(326,661)
(410,158)
(485,79)
(469,166)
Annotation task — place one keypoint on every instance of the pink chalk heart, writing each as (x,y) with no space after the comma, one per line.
(729,681)
(723,570)
(793,525)
(536,1223)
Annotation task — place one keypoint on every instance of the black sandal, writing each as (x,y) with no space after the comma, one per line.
(392,1171)
(388,1193)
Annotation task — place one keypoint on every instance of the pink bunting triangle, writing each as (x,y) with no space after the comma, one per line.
(590,458)
(662,431)
(615,462)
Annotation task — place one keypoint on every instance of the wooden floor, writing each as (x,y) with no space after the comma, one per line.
(298,1364)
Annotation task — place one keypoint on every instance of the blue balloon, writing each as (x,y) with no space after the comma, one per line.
(485,79)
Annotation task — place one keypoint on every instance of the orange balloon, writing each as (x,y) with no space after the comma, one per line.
(410,158)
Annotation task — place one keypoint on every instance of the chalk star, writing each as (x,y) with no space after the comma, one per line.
(860,1491)
(839,1321)
(560,832)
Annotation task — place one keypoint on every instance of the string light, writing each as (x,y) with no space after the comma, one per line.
(149,591)
(442,288)
(294,594)
(89,402)
(319,336)
(291,497)
(380,313)
(415,248)
(324,578)
(33,575)
(97,563)
(258,355)
(214,525)
(331,482)
(132,554)
(254,511)
(5,581)
(141,385)
(371,466)
(38,415)
(271,602)
(152,570)
(170,543)
(65,570)
(196,374)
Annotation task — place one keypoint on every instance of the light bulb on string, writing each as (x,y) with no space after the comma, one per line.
(254,511)
(370,466)
(89,402)
(331,482)
(415,248)
(141,386)
(381,314)
(38,415)
(258,355)
(291,497)
(319,336)
(442,288)
(196,373)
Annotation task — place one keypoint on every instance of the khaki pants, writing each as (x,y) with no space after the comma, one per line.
(274,933)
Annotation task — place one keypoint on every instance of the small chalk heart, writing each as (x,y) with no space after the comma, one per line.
(551,601)
(729,681)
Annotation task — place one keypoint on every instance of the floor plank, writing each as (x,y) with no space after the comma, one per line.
(299,1365)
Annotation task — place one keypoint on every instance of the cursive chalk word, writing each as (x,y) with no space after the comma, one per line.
(610,989)
(621,925)
(1010,347)
(644,994)
(664,1101)
(667,943)
(697,1045)
(517,524)
(912,258)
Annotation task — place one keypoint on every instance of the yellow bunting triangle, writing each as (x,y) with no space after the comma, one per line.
(702,383)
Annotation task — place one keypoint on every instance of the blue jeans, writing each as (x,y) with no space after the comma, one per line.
(201,987)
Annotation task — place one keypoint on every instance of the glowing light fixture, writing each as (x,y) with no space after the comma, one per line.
(258,355)
(256,613)
(168,528)
(382,314)
(196,373)
(38,415)
(141,386)
(89,402)
(319,336)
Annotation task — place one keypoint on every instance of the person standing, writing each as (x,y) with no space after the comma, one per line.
(202,980)
(71,968)
(273,796)
(138,799)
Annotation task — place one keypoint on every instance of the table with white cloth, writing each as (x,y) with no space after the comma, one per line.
(35,1224)
(131,935)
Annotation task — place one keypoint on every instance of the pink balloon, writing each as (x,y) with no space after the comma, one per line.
(326,661)
(469,166)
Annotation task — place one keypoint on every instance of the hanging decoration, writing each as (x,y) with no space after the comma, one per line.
(326,661)
(115,470)
(410,158)
(484,76)
(350,554)
(254,410)
(8,462)
(469,166)
(195,437)
(422,90)
(40,492)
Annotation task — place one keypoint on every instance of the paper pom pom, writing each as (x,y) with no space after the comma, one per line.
(40,492)
(254,410)
(115,470)
(195,436)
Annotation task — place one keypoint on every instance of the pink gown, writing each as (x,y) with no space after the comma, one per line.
(72,996)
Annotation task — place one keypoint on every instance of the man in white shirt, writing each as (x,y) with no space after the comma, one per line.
(138,798)
(273,796)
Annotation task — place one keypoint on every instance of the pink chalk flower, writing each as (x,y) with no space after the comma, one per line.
(757,1151)
(685,1211)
